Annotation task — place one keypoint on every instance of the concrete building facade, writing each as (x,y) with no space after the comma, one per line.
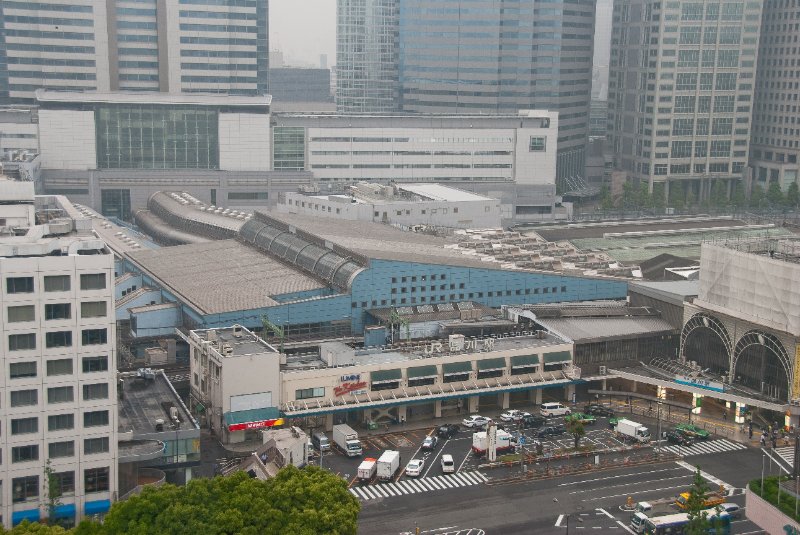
(680,93)
(59,360)
(198,46)
(775,142)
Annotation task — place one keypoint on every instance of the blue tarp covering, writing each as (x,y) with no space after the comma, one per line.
(96,507)
(29,514)
(64,511)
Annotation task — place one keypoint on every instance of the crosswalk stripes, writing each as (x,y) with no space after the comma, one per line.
(787,454)
(414,486)
(705,448)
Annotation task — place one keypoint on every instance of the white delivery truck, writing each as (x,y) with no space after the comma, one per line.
(347,440)
(632,430)
(388,463)
(480,442)
(367,469)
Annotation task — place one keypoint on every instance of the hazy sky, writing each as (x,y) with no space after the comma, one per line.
(302,30)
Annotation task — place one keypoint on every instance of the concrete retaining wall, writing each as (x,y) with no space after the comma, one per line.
(768,517)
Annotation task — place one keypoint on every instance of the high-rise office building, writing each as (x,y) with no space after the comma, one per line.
(482,56)
(218,46)
(681,90)
(775,142)
(366,56)
(58,358)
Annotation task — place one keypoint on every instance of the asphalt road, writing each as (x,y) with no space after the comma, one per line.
(589,501)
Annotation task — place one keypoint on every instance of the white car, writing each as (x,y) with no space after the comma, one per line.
(734,510)
(513,415)
(414,467)
(475,421)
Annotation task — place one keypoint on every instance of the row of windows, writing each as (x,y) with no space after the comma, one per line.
(453,297)
(57,311)
(94,480)
(61,422)
(91,446)
(55,367)
(412,140)
(58,394)
(55,283)
(27,341)
(415,166)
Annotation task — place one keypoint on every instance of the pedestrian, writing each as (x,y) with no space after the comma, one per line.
(402,421)
(750,432)
(763,440)
(724,415)
(774,442)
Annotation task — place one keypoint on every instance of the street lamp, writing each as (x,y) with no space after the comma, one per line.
(658,440)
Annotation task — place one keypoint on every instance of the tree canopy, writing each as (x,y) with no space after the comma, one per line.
(300,501)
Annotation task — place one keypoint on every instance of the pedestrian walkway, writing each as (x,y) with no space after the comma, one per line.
(706,448)
(787,454)
(414,486)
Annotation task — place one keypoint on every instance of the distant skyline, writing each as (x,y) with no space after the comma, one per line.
(303,33)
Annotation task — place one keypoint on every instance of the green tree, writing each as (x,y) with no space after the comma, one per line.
(52,492)
(35,528)
(628,196)
(738,197)
(719,195)
(698,516)
(793,195)
(659,202)
(757,199)
(576,429)
(303,502)
(691,198)
(774,194)
(645,198)
(606,200)
(676,195)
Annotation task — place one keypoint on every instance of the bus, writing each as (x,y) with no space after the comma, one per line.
(676,524)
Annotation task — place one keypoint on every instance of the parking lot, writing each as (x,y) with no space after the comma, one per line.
(409,441)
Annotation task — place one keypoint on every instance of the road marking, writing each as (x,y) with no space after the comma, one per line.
(558,522)
(419,485)
(626,528)
(768,454)
(707,476)
(433,462)
(613,477)
(627,484)
(438,529)
(641,491)
(705,448)
(464,461)
(609,515)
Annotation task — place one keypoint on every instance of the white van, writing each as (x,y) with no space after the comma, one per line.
(553,409)
(448,466)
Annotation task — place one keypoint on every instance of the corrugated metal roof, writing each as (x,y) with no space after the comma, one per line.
(438,192)
(223,276)
(585,329)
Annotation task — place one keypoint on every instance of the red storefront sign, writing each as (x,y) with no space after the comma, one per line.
(255,425)
(346,388)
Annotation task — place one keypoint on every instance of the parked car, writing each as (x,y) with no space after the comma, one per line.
(551,430)
(673,437)
(734,510)
(585,419)
(430,442)
(447,431)
(414,467)
(692,431)
(533,421)
(475,420)
(513,415)
(598,410)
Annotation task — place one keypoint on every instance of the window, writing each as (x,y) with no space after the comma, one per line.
(681,149)
(692,11)
(19,370)
(95,418)
(60,422)
(708,57)
(95,445)
(702,127)
(248,195)
(93,281)
(22,426)
(58,339)
(64,483)
(56,283)
(95,364)
(61,449)
(57,311)
(95,480)
(682,127)
(93,336)
(24,488)
(688,58)
(721,149)
(59,367)
(21,313)
(724,103)
(94,309)
(24,454)
(684,104)
(686,81)
(690,35)
(730,35)
(21,342)
(19,285)
(728,59)
(701,149)
(24,398)
(722,127)
(537,144)
(726,81)
(60,394)
(95,391)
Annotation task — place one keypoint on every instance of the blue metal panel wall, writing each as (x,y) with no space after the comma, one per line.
(157,322)
(373,287)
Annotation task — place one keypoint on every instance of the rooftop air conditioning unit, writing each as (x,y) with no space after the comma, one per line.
(237,331)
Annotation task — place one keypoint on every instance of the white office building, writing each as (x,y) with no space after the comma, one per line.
(136,45)
(411,206)
(58,357)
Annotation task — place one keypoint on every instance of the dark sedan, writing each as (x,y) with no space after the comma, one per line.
(598,410)
(533,421)
(447,431)
(551,430)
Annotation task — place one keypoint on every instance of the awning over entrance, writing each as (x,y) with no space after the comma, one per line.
(386,376)
(524,361)
(66,510)
(422,372)
(253,419)
(96,507)
(557,356)
(486,365)
(31,515)
(454,368)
